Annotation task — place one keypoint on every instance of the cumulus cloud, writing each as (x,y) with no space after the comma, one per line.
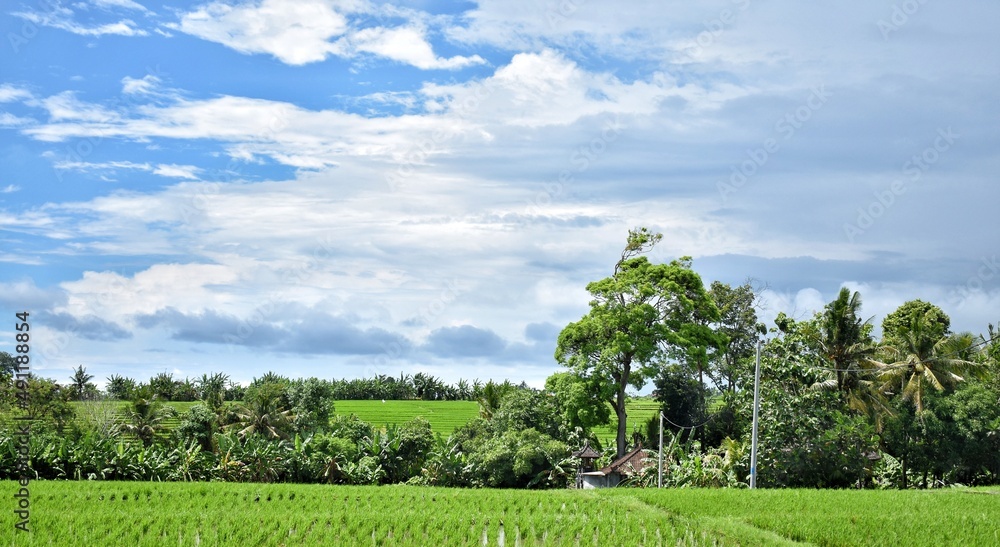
(299,32)
(294,31)
(407,45)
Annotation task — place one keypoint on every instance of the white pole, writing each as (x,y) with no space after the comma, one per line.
(659,480)
(756,411)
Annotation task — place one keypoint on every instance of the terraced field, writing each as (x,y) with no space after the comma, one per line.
(444,416)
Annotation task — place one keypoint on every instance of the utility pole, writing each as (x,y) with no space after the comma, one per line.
(659,479)
(756,411)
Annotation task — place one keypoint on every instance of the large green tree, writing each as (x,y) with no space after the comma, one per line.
(738,322)
(638,316)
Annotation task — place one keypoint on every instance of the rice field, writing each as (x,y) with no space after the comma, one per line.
(639,412)
(444,416)
(132,513)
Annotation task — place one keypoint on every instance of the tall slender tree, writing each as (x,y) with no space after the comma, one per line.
(638,316)
(79,380)
(847,348)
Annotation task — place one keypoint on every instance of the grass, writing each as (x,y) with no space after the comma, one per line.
(444,416)
(135,513)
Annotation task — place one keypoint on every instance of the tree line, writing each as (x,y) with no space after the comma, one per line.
(917,406)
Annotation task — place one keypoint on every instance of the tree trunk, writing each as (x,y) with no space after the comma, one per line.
(622,422)
(620,405)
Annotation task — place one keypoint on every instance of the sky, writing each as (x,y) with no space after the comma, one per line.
(344,188)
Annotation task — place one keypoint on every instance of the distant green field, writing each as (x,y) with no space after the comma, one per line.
(639,411)
(138,513)
(444,416)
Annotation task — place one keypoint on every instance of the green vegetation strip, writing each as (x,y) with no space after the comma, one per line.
(132,513)
(444,416)
(136,513)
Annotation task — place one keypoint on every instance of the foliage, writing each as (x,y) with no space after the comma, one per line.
(144,419)
(738,323)
(264,413)
(121,388)
(637,316)
(922,359)
(8,366)
(199,425)
(517,457)
(579,405)
(81,387)
(311,404)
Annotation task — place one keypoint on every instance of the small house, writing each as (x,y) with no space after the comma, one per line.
(607,477)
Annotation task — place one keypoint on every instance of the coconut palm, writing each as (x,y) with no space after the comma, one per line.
(80,381)
(846,345)
(263,413)
(920,359)
(144,419)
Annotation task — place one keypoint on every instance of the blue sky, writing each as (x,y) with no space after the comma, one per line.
(344,188)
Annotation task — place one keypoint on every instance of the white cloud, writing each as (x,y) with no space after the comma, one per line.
(63,19)
(66,107)
(140,86)
(177,171)
(10,93)
(407,45)
(164,170)
(298,32)
(10,189)
(9,120)
(294,31)
(127,4)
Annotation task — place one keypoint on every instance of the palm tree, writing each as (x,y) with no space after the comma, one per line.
(263,414)
(212,389)
(144,419)
(921,358)
(80,378)
(120,387)
(846,345)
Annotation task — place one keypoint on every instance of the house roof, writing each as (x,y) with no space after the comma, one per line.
(586,452)
(632,461)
